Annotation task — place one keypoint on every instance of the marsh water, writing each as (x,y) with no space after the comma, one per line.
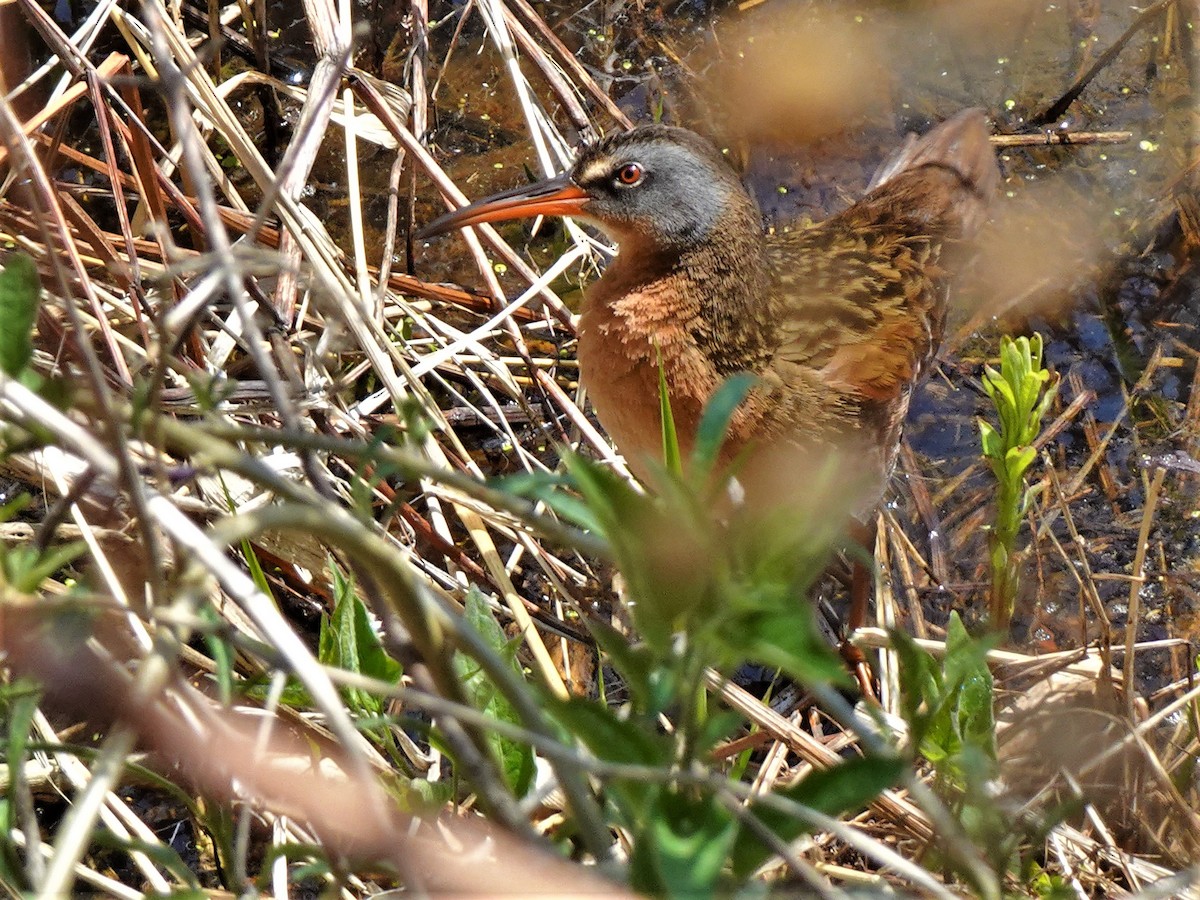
(1092,244)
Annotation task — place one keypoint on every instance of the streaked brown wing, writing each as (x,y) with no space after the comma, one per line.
(863,297)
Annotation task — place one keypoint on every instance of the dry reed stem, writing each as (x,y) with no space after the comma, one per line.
(135,279)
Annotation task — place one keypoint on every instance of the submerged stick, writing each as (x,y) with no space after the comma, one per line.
(1059,106)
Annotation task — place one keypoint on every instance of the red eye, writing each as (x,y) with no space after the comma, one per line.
(630,174)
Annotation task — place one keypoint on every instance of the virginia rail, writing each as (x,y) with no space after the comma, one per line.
(838,321)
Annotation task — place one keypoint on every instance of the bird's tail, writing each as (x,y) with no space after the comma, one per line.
(959,164)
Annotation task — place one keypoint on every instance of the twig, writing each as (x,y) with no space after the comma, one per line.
(1055,110)
(1062,138)
(1138,582)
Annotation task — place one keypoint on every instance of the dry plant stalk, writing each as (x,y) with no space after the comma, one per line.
(212,329)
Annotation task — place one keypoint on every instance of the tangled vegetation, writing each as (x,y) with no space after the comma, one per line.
(315,574)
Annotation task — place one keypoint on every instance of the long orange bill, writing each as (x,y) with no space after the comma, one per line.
(553,197)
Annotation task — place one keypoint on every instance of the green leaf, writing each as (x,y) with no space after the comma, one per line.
(17,710)
(25,567)
(951,705)
(649,683)
(718,727)
(682,850)
(610,737)
(14,506)
(1031,493)
(479,616)
(220,650)
(619,738)
(12,866)
(20,291)
(714,423)
(420,795)
(990,379)
(671,454)
(662,545)
(162,855)
(294,693)
(348,641)
(787,639)
(1021,393)
(549,489)
(966,667)
(920,683)
(516,758)
(609,499)
(1016,461)
(844,788)
(989,438)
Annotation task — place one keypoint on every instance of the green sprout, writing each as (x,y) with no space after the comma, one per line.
(1021,392)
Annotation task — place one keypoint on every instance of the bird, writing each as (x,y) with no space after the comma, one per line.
(837,322)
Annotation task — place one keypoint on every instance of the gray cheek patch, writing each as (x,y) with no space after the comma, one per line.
(694,194)
(681,203)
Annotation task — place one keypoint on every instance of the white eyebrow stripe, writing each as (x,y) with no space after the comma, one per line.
(595,170)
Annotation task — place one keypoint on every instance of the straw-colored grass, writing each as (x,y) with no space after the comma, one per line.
(250,397)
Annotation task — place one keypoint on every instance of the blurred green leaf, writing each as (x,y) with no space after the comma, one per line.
(20,291)
(18,706)
(846,787)
(787,639)
(10,509)
(25,567)
(647,679)
(610,499)
(611,737)
(221,652)
(631,740)
(12,867)
(920,684)
(718,727)
(549,488)
(714,423)
(682,851)
(161,854)
(420,795)
(966,668)
(949,705)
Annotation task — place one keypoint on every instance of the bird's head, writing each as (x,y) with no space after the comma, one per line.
(652,187)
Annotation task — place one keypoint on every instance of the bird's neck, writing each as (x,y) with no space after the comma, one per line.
(711,296)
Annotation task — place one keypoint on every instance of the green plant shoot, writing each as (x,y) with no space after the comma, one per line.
(1021,391)
(20,292)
